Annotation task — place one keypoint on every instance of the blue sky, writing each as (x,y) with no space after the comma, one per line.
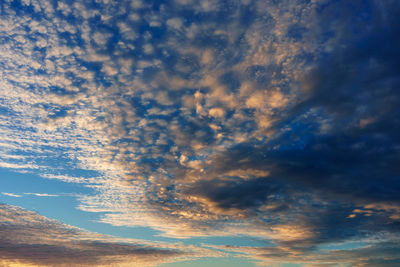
(199,133)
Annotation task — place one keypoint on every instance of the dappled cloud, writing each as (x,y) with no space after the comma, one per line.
(269,119)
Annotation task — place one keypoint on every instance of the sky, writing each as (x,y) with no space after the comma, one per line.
(200,133)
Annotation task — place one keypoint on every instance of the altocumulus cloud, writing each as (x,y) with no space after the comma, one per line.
(278,120)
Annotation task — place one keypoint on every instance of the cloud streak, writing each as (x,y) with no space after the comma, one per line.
(11,194)
(30,239)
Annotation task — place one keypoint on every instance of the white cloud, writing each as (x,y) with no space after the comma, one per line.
(41,194)
(11,194)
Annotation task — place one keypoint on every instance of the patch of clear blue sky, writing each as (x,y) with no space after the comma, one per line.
(61,208)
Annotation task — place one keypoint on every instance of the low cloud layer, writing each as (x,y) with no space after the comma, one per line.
(29,239)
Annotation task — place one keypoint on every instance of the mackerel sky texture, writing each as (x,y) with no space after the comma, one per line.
(200,133)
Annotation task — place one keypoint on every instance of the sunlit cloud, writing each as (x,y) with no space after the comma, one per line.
(343,254)
(276,120)
(32,240)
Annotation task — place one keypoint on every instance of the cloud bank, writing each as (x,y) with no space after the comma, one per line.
(32,240)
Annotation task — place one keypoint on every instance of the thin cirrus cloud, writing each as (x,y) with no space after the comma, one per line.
(32,194)
(41,194)
(11,194)
(255,118)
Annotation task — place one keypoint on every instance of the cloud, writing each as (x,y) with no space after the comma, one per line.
(41,194)
(216,117)
(11,194)
(238,194)
(31,239)
(375,254)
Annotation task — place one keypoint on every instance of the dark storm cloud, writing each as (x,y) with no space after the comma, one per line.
(333,164)
(236,193)
(356,88)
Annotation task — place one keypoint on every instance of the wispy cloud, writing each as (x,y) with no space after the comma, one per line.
(30,239)
(41,194)
(345,254)
(11,194)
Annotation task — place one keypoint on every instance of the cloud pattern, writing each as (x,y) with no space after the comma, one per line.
(29,239)
(277,120)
